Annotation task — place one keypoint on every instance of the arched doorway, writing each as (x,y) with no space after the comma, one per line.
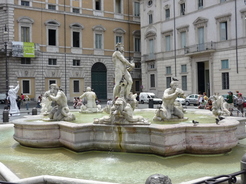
(99,80)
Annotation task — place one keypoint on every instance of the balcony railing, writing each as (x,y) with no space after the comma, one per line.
(195,49)
(149,57)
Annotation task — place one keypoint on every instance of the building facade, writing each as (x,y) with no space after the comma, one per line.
(201,43)
(68,42)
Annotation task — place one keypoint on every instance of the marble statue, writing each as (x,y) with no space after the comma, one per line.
(90,106)
(12,96)
(46,105)
(219,105)
(168,109)
(60,111)
(123,79)
(124,101)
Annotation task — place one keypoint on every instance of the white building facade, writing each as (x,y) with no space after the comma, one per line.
(202,43)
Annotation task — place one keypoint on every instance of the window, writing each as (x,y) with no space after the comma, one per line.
(76,62)
(168,81)
(183,39)
(152,80)
(168,70)
(183,68)
(52,27)
(118,39)
(75,10)
(167,13)
(151,48)
(224,64)
(225,80)
(25,61)
(223,31)
(52,82)
(182,9)
(98,5)
(168,43)
(76,39)
(26,86)
(221,1)
(137,65)
(151,65)
(150,2)
(200,38)
(76,86)
(136,9)
(184,82)
(51,7)
(98,41)
(137,45)
(52,37)
(200,4)
(52,62)
(25,3)
(118,6)
(150,18)
(25,34)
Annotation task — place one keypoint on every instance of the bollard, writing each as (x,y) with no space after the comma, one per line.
(5,115)
(34,111)
(158,179)
(151,103)
(243,167)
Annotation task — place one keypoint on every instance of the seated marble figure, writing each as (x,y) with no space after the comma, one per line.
(168,109)
(60,111)
(90,105)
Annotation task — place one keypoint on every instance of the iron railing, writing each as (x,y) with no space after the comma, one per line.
(230,178)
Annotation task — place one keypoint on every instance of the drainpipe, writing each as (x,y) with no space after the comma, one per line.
(236,35)
(65,49)
(174,36)
(129,30)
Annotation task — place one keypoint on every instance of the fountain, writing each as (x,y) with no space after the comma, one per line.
(122,131)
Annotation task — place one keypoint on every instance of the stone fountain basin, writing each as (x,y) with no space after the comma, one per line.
(164,140)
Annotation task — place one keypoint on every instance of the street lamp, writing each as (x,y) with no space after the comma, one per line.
(5,34)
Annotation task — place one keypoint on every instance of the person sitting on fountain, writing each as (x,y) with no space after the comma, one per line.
(168,109)
(60,111)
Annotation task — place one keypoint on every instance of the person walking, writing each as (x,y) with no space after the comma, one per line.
(230,102)
(27,101)
(240,101)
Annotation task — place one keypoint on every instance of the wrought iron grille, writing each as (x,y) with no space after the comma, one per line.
(230,178)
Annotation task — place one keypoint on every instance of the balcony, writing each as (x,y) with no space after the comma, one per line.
(200,48)
(149,57)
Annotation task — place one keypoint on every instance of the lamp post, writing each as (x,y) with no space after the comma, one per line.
(6,57)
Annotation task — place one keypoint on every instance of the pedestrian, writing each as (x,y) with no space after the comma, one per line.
(39,101)
(230,102)
(22,98)
(27,101)
(200,98)
(18,101)
(240,101)
(75,101)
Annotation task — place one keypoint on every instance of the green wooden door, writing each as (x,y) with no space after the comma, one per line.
(99,80)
